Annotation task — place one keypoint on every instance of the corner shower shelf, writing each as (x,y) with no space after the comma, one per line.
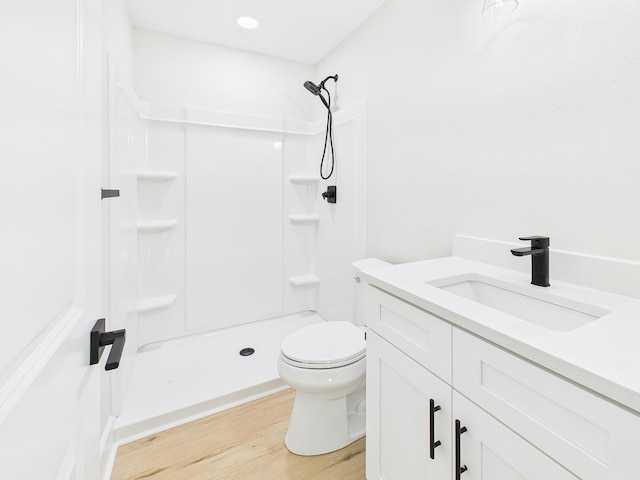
(304,218)
(152,226)
(304,280)
(150,304)
(304,179)
(156,176)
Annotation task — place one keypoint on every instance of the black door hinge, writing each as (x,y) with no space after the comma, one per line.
(108,193)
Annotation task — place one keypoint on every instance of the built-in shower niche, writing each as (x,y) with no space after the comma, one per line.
(158,291)
(153,189)
(305,191)
(161,230)
(301,223)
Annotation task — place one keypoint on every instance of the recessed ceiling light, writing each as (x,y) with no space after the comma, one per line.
(247,22)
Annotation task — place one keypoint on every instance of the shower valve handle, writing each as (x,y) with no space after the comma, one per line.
(331,194)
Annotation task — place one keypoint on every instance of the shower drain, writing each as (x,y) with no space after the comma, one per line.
(245,352)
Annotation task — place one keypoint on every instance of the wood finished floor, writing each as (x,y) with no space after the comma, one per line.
(244,443)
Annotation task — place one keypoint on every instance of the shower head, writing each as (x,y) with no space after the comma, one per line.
(317,89)
(312,87)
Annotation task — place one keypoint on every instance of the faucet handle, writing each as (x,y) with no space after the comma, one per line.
(537,241)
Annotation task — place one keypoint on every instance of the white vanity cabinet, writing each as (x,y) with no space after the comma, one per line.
(517,420)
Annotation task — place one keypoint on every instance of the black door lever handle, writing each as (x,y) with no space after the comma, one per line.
(99,339)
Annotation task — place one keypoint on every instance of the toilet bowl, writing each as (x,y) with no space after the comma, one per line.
(325,364)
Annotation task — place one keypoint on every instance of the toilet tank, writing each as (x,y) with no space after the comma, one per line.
(358,266)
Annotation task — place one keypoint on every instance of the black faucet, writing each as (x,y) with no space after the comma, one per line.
(539,251)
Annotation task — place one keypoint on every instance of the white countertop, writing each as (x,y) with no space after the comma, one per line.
(603,355)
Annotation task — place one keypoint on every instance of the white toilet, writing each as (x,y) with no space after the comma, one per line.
(325,364)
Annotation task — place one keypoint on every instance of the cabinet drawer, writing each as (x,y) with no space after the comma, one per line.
(419,334)
(585,433)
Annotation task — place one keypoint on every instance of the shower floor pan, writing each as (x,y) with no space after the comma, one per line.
(180,380)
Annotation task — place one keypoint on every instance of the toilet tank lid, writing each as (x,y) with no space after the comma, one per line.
(325,343)
(369,263)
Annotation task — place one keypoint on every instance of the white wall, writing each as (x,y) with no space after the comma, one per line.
(175,71)
(526,125)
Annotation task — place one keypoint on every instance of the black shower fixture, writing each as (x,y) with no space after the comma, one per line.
(328,137)
(317,89)
(331,195)
(312,87)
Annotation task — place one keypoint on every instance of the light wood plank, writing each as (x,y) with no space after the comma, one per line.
(246,442)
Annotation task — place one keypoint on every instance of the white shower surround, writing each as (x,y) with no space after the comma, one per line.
(231,230)
(220,245)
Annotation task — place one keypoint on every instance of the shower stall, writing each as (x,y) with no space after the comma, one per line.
(222,242)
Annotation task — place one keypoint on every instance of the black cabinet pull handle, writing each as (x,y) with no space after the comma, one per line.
(459,469)
(99,338)
(433,444)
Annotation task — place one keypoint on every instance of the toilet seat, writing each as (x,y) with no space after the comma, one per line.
(324,345)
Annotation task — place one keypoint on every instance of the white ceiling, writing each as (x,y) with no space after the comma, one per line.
(299,30)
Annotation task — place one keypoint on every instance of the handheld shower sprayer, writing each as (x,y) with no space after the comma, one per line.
(312,87)
(317,89)
(328,138)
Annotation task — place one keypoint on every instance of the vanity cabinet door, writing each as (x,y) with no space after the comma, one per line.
(490,451)
(585,433)
(399,410)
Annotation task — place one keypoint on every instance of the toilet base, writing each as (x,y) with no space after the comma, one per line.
(321,424)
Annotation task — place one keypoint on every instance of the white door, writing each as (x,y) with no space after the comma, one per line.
(50,121)
(399,413)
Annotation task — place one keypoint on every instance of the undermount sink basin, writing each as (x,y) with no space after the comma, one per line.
(539,307)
